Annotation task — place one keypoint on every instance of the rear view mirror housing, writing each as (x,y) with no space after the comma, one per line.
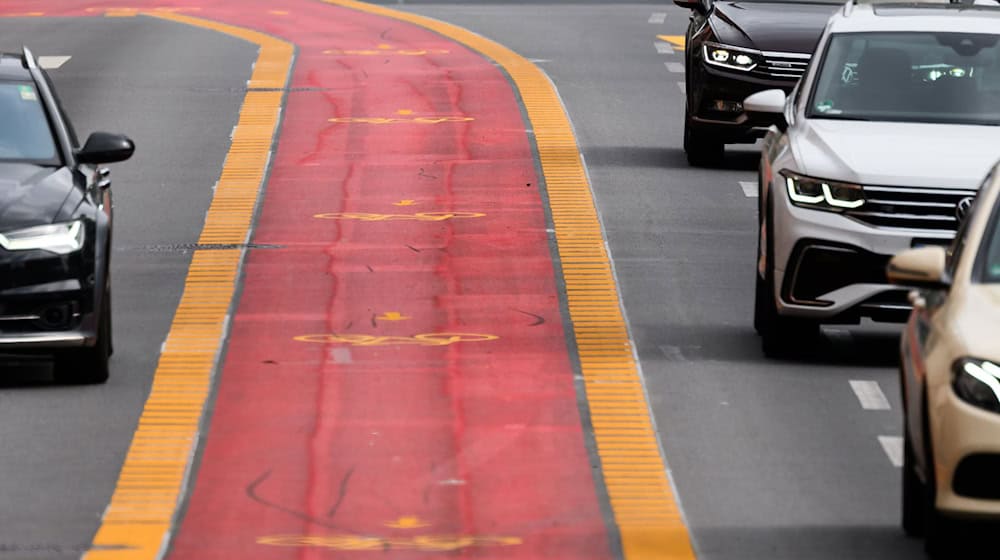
(769,102)
(105,147)
(695,5)
(924,267)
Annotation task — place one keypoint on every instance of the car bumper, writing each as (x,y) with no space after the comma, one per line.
(47,301)
(966,446)
(838,281)
(717,89)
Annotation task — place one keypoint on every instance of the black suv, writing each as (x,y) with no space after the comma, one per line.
(736,48)
(55,227)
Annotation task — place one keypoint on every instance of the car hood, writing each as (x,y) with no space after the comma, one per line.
(976,319)
(31,195)
(899,154)
(772,26)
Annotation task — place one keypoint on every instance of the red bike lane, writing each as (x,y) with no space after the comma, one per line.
(396,376)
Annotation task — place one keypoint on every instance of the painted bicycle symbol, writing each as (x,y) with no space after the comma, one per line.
(423,543)
(399,120)
(428,339)
(419,217)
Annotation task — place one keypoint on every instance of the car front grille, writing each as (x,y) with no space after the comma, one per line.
(782,66)
(911,208)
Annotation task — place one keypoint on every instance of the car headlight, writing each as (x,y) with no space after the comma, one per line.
(977,382)
(733,58)
(60,239)
(821,194)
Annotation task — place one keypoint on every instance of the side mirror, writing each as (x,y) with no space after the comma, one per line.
(769,102)
(919,268)
(695,5)
(105,147)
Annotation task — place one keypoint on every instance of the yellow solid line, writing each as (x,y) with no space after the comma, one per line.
(678,41)
(646,533)
(138,520)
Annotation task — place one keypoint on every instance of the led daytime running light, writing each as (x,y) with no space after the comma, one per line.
(987,373)
(58,238)
(732,58)
(826,196)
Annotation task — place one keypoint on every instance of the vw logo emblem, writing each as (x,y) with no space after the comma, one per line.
(963,207)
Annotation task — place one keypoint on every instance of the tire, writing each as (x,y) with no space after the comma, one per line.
(939,530)
(87,366)
(700,150)
(780,336)
(913,492)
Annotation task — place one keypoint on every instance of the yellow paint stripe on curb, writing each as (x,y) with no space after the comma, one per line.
(648,521)
(138,520)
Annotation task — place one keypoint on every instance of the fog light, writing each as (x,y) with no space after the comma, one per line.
(57,316)
(724,106)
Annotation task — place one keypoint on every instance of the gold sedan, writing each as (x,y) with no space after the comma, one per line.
(950,375)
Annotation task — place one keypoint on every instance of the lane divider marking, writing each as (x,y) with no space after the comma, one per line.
(893,447)
(646,511)
(678,41)
(52,62)
(749,188)
(663,48)
(675,67)
(658,17)
(138,520)
(870,395)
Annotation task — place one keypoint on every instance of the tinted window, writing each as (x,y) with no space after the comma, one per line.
(990,262)
(24,128)
(910,77)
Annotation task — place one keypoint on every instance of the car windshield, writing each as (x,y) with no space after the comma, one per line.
(24,129)
(910,77)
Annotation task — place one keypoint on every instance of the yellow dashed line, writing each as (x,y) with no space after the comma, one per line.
(138,519)
(643,503)
(678,41)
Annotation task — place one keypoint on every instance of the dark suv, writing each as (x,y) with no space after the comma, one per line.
(55,227)
(736,48)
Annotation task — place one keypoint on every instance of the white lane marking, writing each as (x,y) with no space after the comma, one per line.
(683,87)
(674,66)
(52,62)
(749,189)
(870,395)
(663,48)
(658,17)
(893,447)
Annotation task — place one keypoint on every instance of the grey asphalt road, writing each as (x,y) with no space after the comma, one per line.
(773,460)
(176,91)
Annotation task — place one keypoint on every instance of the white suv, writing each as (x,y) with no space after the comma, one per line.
(885,141)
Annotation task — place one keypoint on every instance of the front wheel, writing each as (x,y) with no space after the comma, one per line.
(780,336)
(913,492)
(702,151)
(87,366)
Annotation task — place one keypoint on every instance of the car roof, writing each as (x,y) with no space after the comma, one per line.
(12,67)
(925,16)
